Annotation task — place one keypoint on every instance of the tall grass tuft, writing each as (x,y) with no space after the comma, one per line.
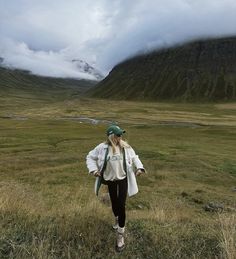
(228,235)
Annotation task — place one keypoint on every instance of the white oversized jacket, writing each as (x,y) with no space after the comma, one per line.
(96,158)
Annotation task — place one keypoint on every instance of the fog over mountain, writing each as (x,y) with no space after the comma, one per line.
(45,36)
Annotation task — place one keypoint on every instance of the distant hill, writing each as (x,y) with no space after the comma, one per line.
(201,70)
(14,82)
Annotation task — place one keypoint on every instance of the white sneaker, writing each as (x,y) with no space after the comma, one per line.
(116,225)
(120,245)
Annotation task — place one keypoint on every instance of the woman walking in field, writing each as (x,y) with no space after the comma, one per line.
(113,163)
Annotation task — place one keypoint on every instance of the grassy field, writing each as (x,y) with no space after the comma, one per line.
(186,203)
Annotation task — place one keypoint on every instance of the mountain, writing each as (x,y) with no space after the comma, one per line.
(86,68)
(76,68)
(19,82)
(201,70)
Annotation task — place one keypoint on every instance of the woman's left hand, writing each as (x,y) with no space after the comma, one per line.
(139,172)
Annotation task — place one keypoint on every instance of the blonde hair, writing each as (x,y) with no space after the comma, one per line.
(110,141)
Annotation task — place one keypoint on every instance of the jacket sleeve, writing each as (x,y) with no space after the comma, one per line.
(91,160)
(135,159)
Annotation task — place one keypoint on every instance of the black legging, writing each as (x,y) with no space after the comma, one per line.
(118,194)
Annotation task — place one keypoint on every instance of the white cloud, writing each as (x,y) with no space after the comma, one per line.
(45,63)
(103,32)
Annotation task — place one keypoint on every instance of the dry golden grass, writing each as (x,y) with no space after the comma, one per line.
(229,106)
(228,235)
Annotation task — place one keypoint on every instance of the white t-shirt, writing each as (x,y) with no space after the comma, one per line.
(114,169)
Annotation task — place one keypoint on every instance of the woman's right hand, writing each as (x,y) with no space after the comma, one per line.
(96,173)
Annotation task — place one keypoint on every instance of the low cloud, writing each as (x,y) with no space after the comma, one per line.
(44,63)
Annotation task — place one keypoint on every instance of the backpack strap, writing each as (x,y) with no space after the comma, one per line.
(104,168)
(124,160)
(105,161)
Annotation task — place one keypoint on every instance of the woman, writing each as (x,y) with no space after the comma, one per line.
(112,163)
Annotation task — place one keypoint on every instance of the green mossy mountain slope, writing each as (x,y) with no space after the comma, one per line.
(197,71)
(19,82)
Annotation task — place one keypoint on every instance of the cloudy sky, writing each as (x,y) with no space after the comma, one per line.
(44,36)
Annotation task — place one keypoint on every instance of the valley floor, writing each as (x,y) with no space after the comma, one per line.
(186,203)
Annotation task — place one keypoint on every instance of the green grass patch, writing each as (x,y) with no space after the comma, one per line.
(47,205)
(229,167)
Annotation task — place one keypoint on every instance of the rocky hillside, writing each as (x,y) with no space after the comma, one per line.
(202,70)
(86,68)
